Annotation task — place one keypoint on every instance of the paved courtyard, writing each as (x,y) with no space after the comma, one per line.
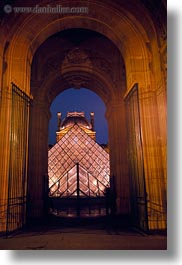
(82,236)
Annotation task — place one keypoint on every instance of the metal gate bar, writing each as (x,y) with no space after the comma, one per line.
(17,182)
(136,163)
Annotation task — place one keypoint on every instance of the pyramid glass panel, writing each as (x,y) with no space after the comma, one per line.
(76,147)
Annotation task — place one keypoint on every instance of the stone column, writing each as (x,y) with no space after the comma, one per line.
(38,158)
(118,154)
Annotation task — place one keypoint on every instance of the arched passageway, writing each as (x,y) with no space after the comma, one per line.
(78,66)
(122,53)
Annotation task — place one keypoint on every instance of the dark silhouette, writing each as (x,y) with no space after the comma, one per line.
(107,195)
(110,201)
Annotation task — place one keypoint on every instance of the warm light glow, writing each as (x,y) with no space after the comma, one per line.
(95,182)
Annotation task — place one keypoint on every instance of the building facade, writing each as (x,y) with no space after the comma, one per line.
(118,50)
(75,118)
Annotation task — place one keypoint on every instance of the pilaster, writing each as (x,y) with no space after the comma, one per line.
(38,158)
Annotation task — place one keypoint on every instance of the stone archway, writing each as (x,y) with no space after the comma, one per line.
(143,51)
(79,67)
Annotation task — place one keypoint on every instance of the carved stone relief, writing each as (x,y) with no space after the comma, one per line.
(77,56)
(84,58)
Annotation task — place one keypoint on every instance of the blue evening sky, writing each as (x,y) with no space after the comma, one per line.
(79,100)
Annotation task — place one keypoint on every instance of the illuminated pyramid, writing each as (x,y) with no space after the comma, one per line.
(75,148)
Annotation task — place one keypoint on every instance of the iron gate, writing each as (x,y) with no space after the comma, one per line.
(77,193)
(136,163)
(17,182)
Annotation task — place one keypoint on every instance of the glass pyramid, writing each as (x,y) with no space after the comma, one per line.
(76,147)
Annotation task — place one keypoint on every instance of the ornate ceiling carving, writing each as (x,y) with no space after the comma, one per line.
(77,56)
(94,63)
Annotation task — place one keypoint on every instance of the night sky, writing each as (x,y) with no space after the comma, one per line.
(79,100)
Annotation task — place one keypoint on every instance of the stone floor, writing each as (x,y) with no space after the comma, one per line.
(82,235)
